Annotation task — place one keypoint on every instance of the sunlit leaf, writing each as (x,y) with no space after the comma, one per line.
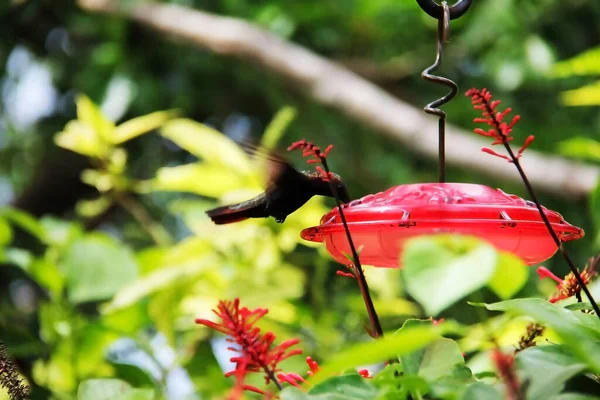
(277,127)
(510,276)
(594,205)
(586,63)
(24,221)
(439,270)
(111,389)
(93,208)
(140,125)
(5,233)
(80,138)
(206,143)
(96,267)
(405,341)
(580,147)
(205,179)
(90,114)
(155,281)
(588,95)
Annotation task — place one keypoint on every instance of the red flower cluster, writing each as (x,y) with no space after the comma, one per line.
(505,364)
(500,131)
(256,350)
(309,149)
(569,286)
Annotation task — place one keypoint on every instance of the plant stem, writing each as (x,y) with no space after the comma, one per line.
(359,274)
(156,231)
(559,244)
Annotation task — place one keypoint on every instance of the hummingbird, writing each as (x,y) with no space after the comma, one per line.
(288,190)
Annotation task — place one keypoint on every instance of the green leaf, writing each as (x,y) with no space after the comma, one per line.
(434,361)
(277,127)
(480,391)
(80,138)
(111,389)
(454,384)
(133,375)
(5,233)
(580,147)
(585,63)
(93,208)
(594,206)
(405,341)
(575,396)
(140,125)
(96,267)
(439,270)
(204,179)
(207,144)
(580,332)
(155,281)
(584,305)
(90,114)
(588,95)
(349,387)
(510,276)
(558,366)
(24,221)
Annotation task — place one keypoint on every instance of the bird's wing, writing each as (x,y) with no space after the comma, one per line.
(278,168)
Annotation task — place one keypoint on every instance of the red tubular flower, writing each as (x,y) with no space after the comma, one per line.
(505,364)
(365,373)
(256,350)
(309,149)
(569,286)
(312,364)
(499,131)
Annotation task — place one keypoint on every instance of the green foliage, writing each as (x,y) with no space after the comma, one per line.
(165,287)
(431,265)
(581,331)
(160,263)
(111,389)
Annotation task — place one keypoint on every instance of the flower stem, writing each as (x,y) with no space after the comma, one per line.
(358,271)
(158,234)
(559,244)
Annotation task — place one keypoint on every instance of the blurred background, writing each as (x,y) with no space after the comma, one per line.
(103,272)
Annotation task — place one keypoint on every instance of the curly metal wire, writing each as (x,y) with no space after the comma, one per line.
(432,108)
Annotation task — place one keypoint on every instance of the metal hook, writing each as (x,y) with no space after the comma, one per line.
(436,10)
(443,35)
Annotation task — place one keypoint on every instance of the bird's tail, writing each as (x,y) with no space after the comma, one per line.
(236,213)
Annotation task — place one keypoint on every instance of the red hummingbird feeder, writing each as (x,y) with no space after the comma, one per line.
(383,222)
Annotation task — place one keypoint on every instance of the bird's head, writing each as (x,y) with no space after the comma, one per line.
(341,188)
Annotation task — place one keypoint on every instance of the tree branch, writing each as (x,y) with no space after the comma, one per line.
(335,86)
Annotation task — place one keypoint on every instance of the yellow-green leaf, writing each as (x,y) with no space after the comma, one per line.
(207,143)
(580,147)
(586,63)
(277,127)
(93,208)
(91,115)
(510,276)
(80,138)
(584,96)
(140,125)
(204,179)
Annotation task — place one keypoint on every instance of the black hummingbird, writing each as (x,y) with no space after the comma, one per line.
(287,191)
